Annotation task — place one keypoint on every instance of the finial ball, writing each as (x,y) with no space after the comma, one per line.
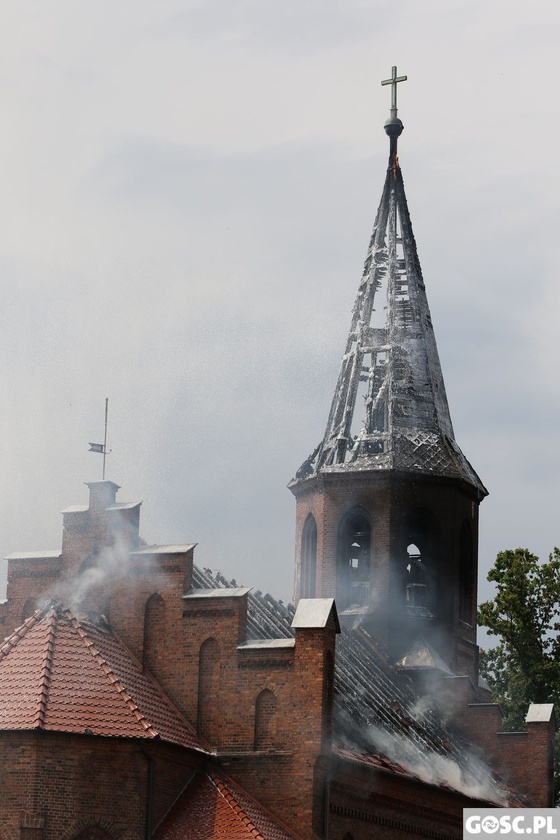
(394,127)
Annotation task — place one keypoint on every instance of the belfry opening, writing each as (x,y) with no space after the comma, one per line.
(353,579)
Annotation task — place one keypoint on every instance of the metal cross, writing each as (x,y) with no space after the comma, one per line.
(393,81)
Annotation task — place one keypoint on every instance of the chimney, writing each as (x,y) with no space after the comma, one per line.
(101,494)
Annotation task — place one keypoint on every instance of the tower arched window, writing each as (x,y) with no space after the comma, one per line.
(415,587)
(418,574)
(353,560)
(308,571)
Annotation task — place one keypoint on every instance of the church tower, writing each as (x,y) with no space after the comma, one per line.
(387,505)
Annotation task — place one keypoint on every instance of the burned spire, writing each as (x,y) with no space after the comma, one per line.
(389,410)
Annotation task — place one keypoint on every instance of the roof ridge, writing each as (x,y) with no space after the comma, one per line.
(12,640)
(266,812)
(229,797)
(112,677)
(44,682)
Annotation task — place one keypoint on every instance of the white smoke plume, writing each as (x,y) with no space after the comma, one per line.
(472,777)
(107,570)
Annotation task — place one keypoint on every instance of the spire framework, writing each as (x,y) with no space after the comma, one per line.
(390,410)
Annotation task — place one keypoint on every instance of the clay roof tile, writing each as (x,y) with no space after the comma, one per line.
(60,673)
(214,808)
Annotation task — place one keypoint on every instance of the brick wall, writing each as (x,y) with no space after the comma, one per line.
(55,785)
(283,777)
(195,645)
(264,707)
(525,759)
(365,803)
(29,580)
(445,508)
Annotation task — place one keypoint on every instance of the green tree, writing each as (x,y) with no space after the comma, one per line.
(524,614)
(524,667)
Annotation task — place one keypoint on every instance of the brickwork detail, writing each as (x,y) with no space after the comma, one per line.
(208,690)
(400,510)
(85,829)
(154,631)
(265,709)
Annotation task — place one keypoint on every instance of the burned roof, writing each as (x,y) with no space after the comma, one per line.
(380,717)
(267,618)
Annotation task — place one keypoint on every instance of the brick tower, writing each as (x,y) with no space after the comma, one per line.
(387,505)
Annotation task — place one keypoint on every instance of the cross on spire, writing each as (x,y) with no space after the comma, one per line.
(393,81)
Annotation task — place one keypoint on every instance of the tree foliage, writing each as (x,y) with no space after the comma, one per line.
(524,667)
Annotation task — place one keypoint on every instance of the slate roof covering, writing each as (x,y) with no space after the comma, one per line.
(379,717)
(214,808)
(62,674)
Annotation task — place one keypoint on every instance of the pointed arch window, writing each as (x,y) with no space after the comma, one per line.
(420,572)
(353,560)
(308,571)
(415,588)
(265,708)
(208,689)
(154,631)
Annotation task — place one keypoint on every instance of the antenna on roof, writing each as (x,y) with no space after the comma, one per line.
(102,447)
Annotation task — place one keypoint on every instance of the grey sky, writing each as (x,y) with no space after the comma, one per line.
(187,194)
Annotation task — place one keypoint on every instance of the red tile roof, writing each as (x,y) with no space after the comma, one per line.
(214,808)
(65,675)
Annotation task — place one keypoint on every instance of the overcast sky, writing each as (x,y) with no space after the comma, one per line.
(187,193)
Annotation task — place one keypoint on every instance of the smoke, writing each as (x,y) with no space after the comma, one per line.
(472,777)
(88,589)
